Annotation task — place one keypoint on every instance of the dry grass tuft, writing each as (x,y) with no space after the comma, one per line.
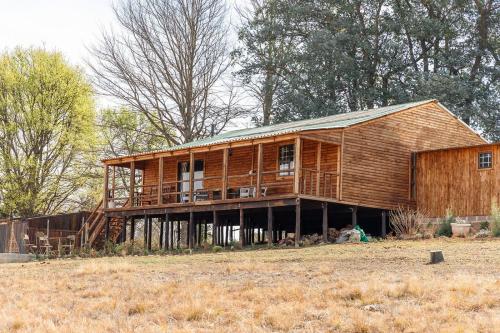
(375,287)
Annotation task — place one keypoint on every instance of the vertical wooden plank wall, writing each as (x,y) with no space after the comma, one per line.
(451,179)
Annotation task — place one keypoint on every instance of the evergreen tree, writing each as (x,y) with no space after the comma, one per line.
(351,54)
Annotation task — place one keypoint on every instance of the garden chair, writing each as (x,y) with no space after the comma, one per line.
(28,246)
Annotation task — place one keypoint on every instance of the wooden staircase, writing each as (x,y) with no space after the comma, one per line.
(93,232)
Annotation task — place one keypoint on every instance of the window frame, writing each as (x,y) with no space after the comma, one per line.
(289,174)
(479,160)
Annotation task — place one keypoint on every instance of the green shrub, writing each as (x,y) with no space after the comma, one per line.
(217,248)
(495,220)
(485,225)
(445,226)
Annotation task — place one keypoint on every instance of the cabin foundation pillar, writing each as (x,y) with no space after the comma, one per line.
(383,230)
(242,227)
(107,229)
(150,232)
(354,216)
(161,233)
(325,221)
(191,230)
(123,235)
(166,231)
(269,226)
(145,232)
(132,229)
(214,228)
(297,223)
(178,233)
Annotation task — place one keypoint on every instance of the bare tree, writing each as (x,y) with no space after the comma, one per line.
(168,63)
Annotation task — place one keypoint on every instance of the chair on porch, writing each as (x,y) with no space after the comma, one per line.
(201,195)
(247,192)
(263,191)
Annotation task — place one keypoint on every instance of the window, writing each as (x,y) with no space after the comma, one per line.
(286,160)
(184,172)
(485,160)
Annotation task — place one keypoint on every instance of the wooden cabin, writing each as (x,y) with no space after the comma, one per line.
(465,180)
(298,177)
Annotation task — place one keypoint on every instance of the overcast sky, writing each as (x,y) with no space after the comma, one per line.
(64,25)
(68,26)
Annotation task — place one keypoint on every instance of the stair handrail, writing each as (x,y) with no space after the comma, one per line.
(99,224)
(89,222)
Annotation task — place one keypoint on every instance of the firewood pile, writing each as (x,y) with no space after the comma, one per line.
(347,234)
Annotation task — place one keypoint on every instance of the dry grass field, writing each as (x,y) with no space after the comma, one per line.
(378,287)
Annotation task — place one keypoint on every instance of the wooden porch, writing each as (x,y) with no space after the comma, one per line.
(256,172)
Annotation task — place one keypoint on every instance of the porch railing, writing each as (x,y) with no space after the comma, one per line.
(318,183)
(240,186)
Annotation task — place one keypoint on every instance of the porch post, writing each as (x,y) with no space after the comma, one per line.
(106,180)
(325,221)
(124,230)
(113,183)
(132,229)
(259,170)
(354,217)
(150,232)
(225,160)
(318,167)
(160,180)
(269,226)
(145,232)
(166,232)
(161,233)
(132,184)
(297,168)
(191,230)
(242,227)
(383,226)
(297,223)
(107,228)
(214,228)
(191,176)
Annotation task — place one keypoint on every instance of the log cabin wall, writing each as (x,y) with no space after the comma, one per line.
(452,179)
(376,154)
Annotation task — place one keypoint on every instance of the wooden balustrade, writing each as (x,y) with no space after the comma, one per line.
(327,183)
(147,194)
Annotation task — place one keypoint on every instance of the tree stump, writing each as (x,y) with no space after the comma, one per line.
(436,256)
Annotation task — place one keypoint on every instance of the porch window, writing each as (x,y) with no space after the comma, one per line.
(485,160)
(183,177)
(286,159)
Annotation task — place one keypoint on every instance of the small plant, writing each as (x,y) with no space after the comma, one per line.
(495,220)
(485,225)
(217,248)
(445,226)
(406,222)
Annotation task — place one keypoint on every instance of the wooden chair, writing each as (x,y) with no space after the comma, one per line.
(70,244)
(263,191)
(28,246)
(43,244)
(247,192)
(201,195)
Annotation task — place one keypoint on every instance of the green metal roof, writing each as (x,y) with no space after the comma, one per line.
(342,120)
(336,121)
